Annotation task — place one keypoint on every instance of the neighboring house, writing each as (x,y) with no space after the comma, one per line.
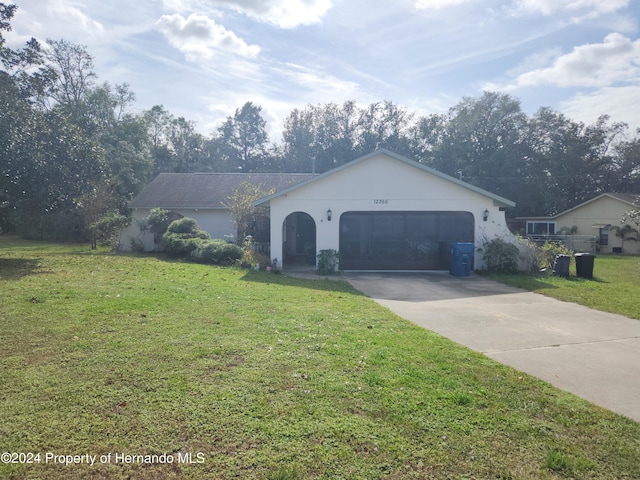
(202,196)
(381,212)
(598,217)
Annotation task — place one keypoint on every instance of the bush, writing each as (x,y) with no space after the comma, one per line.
(107,230)
(184,225)
(504,257)
(328,261)
(216,252)
(229,253)
(183,237)
(157,223)
(205,252)
(501,256)
(546,254)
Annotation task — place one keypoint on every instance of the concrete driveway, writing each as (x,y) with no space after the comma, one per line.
(592,354)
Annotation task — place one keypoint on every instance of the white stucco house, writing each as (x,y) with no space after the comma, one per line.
(381,211)
(597,217)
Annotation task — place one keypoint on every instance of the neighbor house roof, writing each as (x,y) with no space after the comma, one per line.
(630,198)
(499,201)
(206,190)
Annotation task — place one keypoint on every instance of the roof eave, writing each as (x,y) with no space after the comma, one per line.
(179,207)
(498,200)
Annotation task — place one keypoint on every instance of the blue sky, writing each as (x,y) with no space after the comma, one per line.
(202,59)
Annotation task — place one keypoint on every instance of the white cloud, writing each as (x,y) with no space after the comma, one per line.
(319,84)
(283,13)
(291,13)
(71,14)
(438,4)
(199,37)
(618,102)
(588,8)
(53,19)
(616,60)
(550,7)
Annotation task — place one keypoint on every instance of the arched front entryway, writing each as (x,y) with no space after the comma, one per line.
(299,239)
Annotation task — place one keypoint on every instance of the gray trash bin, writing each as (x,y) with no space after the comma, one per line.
(561,266)
(584,264)
(461,259)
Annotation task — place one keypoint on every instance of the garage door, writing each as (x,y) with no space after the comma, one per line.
(401,240)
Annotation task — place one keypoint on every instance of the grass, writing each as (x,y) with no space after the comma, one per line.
(262,376)
(615,287)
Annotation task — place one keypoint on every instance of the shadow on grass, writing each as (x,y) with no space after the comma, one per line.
(16,268)
(334,285)
(541,282)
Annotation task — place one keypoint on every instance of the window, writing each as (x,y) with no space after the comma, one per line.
(604,237)
(541,228)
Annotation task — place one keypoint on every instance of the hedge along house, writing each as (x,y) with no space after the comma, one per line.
(383,212)
(202,196)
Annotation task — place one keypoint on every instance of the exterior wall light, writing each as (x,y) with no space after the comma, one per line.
(485,215)
(329,212)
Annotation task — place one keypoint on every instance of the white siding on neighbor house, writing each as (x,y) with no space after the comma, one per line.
(218,222)
(381,183)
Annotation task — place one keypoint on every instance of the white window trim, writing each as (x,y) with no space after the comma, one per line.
(532,222)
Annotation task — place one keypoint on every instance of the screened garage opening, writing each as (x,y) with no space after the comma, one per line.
(401,240)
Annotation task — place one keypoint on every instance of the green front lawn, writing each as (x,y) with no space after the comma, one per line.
(260,376)
(615,286)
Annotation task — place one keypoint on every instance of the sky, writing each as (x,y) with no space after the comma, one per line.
(203,59)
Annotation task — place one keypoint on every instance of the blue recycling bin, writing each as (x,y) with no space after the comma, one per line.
(461,258)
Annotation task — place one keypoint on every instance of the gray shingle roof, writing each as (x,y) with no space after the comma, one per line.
(206,190)
(631,198)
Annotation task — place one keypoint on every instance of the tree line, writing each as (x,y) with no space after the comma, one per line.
(73,153)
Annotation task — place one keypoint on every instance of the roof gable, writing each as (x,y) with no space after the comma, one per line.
(498,200)
(626,198)
(206,190)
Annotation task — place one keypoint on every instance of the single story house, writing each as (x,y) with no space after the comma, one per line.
(381,211)
(202,196)
(598,217)
(384,211)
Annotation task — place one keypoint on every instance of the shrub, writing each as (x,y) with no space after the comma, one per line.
(157,223)
(250,256)
(534,258)
(178,245)
(228,253)
(107,229)
(205,251)
(501,256)
(328,261)
(185,225)
(216,252)
(546,254)
(183,236)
